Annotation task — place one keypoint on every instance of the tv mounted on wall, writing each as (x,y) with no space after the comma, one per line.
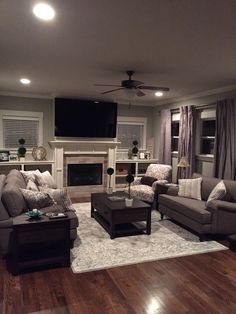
(83,118)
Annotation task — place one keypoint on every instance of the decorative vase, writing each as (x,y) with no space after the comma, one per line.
(109,190)
(22,158)
(128,202)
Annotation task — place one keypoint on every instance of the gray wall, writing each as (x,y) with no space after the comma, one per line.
(47,107)
(138,111)
(37,105)
(203,166)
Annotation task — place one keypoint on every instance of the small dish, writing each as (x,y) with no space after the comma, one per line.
(34,214)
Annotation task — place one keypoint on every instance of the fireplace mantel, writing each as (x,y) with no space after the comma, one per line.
(64,143)
(63,148)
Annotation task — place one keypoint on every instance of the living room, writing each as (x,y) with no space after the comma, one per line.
(182,51)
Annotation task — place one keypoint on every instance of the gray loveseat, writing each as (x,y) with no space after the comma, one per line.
(12,204)
(218,217)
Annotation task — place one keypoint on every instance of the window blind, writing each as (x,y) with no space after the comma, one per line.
(14,129)
(127,133)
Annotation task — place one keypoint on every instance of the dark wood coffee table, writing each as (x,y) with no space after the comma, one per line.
(116,218)
(38,242)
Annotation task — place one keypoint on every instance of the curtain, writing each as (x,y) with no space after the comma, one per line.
(225,137)
(187,135)
(165,138)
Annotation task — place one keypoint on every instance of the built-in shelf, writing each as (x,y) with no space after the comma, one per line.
(135,166)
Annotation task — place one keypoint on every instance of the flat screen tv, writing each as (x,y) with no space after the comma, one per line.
(83,118)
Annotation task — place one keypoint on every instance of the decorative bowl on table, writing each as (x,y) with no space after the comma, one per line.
(34,213)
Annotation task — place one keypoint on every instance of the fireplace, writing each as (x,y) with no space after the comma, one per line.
(84,174)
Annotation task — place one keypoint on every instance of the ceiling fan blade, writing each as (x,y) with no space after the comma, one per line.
(156,88)
(139,93)
(112,90)
(107,85)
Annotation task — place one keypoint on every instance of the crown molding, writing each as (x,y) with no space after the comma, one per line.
(26,95)
(206,93)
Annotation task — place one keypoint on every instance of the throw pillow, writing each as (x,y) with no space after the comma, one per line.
(45,179)
(147,180)
(60,197)
(31,185)
(36,199)
(190,188)
(30,175)
(218,192)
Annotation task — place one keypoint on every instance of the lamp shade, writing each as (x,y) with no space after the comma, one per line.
(183,163)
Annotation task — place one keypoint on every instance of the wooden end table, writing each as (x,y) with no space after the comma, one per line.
(38,242)
(116,218)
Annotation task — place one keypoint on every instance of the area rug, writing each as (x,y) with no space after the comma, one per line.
(94,250)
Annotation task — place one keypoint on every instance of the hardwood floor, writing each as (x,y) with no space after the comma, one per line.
(204,283)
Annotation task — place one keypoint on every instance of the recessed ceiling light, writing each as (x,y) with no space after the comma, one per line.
(159,94)
(25,81)
(44,11)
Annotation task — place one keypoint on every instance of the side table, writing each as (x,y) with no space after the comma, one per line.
(38,242)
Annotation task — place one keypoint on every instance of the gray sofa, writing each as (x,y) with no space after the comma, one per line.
(12,204)
(218,217)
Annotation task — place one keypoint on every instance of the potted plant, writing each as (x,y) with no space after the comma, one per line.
(110,172)
(135,150)
(21,149)
(129,201)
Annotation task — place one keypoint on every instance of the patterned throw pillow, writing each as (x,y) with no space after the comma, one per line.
(60,197)
(147,180)
(190,188)
(45,179)
(36,199)
(31,185)
(218,192)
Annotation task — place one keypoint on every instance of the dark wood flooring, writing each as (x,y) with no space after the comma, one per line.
(204,283)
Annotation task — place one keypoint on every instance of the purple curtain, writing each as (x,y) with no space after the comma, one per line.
(186,147)
(225,137)
(165,138)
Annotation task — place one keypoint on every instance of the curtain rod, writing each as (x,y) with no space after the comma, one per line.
(199,107)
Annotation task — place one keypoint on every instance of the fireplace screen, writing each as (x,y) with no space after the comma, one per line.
(84,174)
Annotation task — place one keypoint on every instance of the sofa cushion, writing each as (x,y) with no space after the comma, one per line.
(142,192)
(218,192)
(190,188)
(146,180)
(188,207)
(12,197)
(36,199)
(3,212)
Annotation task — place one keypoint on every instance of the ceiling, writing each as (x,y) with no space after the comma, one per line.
(187,45)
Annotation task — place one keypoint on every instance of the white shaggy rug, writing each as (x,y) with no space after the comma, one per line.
(94,250)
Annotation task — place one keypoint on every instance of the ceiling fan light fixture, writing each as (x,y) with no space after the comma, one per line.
(158,93)
(130,93)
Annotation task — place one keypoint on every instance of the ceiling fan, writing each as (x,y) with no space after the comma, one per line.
(134,85)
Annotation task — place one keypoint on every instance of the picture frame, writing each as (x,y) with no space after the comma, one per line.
(4,155)
(13,157)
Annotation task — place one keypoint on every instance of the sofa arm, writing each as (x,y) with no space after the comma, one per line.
(5,224)
(216,205)
(173,191)
(155,183)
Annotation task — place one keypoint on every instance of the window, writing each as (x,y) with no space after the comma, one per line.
(207,136)
(20,124)
(130,129)
(174,136)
